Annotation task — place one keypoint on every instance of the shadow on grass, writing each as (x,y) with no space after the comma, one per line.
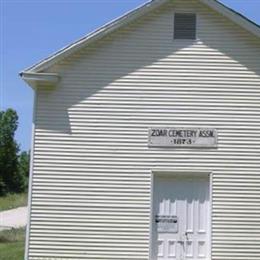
(12,235)
(12,244)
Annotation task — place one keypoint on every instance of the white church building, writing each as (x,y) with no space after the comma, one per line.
(146,139)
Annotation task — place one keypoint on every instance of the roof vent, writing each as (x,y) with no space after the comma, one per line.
(185,26)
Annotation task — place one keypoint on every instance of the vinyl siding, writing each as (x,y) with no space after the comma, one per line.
(91,183)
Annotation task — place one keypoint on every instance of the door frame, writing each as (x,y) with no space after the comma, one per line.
(169,172)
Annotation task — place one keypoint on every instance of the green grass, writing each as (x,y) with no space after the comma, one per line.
(11,201)
(12,244)
(12,251)
(12,241)
(12,235)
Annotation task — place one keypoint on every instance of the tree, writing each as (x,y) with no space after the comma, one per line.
(11,179)
(24,166)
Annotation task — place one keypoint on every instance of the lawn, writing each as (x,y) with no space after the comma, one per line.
(11,201)
(12,241)
(12,244)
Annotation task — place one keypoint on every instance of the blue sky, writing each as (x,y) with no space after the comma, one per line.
(31,30)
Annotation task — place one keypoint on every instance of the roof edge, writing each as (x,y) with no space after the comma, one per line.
(94,35)
(128,17)
(34,79)
(234,16)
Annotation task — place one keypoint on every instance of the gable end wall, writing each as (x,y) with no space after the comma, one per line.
(91,183)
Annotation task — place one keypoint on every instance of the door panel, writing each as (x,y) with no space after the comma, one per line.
(181,219)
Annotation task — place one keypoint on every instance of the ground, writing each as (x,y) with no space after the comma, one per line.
(12,241)
(13,218)
(12,244)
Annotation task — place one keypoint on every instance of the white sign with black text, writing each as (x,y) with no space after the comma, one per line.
(182,137)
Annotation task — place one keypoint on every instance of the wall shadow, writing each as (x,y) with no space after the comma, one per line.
(118,56)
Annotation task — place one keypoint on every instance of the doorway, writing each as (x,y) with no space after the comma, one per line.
(181,218)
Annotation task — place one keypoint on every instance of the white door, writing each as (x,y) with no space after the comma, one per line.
(181,225)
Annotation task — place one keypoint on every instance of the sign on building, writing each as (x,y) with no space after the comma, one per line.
(182,137)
